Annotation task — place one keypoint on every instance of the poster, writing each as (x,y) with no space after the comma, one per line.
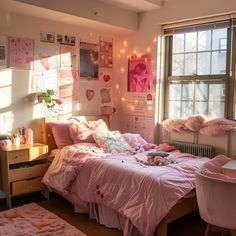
(46,59)
(21,53)
(3,51)
(105,76)
(106,59)
(68,83)
(68,56)
(139,74)
(106,102)
(47,80)
(142,125)
(88,61)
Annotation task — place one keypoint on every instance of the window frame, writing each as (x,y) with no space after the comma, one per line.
(227,78)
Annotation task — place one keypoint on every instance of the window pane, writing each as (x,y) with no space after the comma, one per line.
(204,40)
(178,64)
(217,92)
(188,91)
(217,36)
(201,108)
(190,64)
(187,109)
(216,109)
(203,63)
(178,43)
(201,91)
(191,42)
(218,62)
(175,92)
(174,110)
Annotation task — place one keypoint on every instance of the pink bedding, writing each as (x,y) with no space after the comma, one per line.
(142,193)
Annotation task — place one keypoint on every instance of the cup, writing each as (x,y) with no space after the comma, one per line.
(16,141)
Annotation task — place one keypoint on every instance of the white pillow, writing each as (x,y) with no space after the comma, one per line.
(112,142)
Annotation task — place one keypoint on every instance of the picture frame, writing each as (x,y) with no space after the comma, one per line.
(89,61)
(47,37)
(139,74)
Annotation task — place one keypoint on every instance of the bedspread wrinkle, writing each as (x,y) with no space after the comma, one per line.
(144,194)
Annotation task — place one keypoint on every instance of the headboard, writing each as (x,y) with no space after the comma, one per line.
(47,136)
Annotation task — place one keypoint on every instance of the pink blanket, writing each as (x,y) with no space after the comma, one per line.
(143,194)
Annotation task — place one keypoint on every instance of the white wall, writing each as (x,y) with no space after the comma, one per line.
(17,84)
(150,27)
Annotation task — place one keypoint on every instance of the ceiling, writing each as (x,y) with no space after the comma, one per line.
(130,6)
(136,5)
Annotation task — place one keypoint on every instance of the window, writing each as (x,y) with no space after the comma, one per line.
(197,70)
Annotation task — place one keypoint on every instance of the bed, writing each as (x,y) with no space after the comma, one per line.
(110,199)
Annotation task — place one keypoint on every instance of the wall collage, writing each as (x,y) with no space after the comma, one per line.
(76,73)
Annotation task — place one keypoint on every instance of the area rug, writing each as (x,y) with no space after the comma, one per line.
(32,220)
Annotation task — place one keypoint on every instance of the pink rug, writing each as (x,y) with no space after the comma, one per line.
(31,220)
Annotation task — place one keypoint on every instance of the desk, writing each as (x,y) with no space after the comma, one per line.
(230,168)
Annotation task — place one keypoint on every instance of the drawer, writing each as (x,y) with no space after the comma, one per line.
(27,186)
(38,152)
(27,173)
(18,156)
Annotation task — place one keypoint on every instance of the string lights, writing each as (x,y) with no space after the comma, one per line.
(125,54)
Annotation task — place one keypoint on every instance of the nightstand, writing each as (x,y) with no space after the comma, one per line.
(22,169)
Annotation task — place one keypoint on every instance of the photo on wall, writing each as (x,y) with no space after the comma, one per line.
(139,74)
(88,61)
(3,54)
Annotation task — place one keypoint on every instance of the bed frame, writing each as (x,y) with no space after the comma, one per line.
(182,208)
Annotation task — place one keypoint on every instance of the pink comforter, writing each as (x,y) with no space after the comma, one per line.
(143,194)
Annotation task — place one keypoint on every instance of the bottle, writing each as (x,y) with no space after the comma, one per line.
(29,136)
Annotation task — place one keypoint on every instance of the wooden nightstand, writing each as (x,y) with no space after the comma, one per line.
(22,169)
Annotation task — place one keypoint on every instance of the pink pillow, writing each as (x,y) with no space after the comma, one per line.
(61,133)
(214,130)
(134,140)
(82,131)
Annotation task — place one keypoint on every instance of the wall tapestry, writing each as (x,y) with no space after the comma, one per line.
(139,73)
(21,53)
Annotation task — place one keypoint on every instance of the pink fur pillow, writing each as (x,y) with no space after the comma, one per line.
(194,123)
(217,129)
(219,121)
(82,131)
(61,133)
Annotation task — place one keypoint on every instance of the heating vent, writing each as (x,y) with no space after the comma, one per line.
(195,149)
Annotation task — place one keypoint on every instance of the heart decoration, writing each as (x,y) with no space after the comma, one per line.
(106,78)
(90,94)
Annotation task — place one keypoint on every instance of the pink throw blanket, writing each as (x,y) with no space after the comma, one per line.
(143,194)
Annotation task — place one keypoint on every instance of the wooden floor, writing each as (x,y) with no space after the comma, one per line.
(190,225)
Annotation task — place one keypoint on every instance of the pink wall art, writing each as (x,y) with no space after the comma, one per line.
(106,54)
(139,73)
(68,56)
(90,94)
(21,53)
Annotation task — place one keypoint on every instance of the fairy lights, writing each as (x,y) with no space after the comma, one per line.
(128,53)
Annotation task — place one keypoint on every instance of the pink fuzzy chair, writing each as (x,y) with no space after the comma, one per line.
(217,202)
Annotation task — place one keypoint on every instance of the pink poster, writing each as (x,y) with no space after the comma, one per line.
(139,73)
(21,53)
(105,54)
(68,56)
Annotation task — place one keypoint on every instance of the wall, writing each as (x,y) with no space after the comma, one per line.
(16,85)
(144,40)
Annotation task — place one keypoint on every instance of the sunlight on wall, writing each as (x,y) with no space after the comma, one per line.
(5,88)
(6,122)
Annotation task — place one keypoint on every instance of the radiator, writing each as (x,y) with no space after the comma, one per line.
(195,149)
